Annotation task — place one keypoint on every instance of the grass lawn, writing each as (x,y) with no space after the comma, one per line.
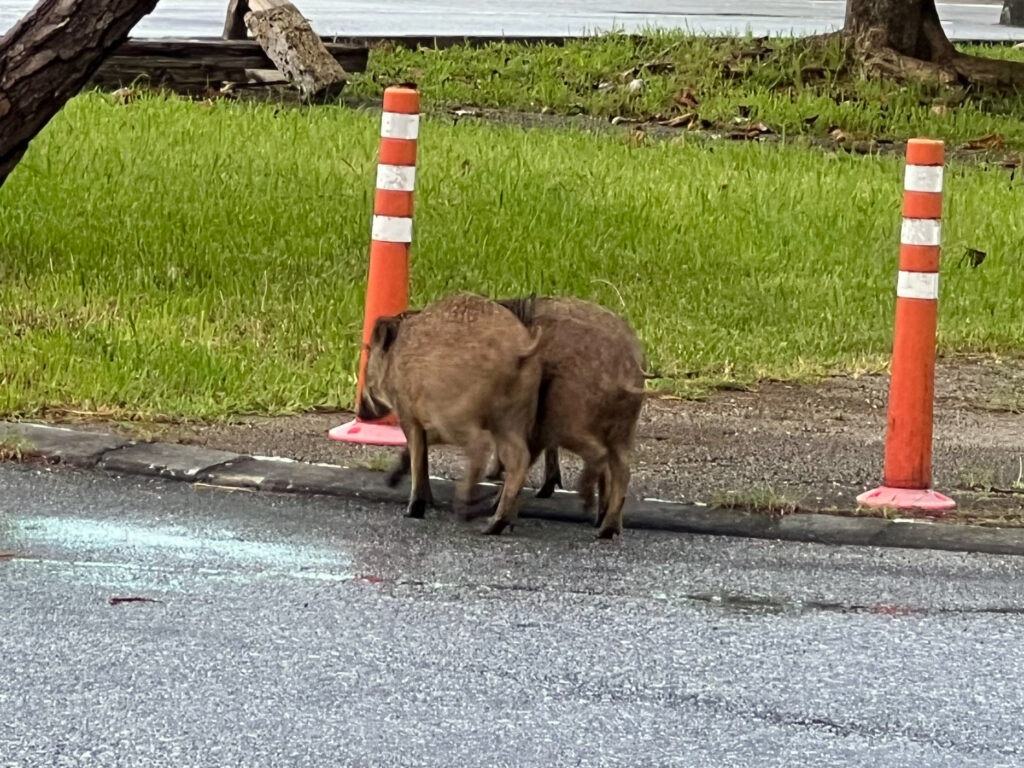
(793,87)
(173,259)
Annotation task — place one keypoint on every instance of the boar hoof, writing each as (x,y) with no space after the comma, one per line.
(608,533)
(465,512)
(481,507)
(416,509)
(545,491)
(549,487)
(399,469)
(495,527)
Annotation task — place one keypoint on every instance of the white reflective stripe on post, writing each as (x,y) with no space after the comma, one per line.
(395,125)
(401,178)
(921,232)
(918,285)
(392,229)
(923,178)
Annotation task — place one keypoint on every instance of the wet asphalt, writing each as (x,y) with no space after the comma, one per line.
(290,631)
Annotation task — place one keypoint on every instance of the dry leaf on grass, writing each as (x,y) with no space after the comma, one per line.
(973,256)
(680,121)
(686,99)
(992,141)
(752,131)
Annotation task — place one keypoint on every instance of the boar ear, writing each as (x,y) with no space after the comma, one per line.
(385,331)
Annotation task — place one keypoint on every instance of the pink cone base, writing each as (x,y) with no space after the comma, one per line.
(906,498)
(367,433)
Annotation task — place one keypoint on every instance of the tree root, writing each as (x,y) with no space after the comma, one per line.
(958,70)
(889,63)
(989,73)
(937,62)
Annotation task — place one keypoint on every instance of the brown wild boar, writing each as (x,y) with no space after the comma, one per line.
(592,390)
(462,371)
(590,397)
(550,310)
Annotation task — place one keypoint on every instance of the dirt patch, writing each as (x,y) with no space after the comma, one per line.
(640,131)
(773,448)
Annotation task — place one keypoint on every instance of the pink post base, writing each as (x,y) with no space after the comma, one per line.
(926,499)
(367,433)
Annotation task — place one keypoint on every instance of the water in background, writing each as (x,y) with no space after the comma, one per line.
(977,19)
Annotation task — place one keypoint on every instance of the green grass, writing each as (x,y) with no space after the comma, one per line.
(763,499)
(13,448)
(167,258)
(794,87)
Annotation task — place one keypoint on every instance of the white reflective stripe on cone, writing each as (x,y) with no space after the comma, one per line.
(921,232)
(392,229)
(395,125)
(918,285)
(923,178)
(400,178)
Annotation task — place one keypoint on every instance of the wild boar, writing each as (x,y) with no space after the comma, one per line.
(550,310)
(592,390)
(462,371)
(590,396)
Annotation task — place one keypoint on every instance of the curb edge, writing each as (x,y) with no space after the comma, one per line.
(290,476)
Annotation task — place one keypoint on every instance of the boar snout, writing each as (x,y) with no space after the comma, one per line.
(370,409)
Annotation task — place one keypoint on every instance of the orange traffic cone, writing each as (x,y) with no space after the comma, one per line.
(908,441)
(387,286)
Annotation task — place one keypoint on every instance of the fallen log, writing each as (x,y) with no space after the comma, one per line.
(194,66)
(295,49)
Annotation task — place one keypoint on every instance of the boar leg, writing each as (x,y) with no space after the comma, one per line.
(589,478)
(477,450)
(603,484)
(552,473)
(618,465)
(515,456)
(550,457)
(399,469)
(496,470)
(595,463)
(420,497)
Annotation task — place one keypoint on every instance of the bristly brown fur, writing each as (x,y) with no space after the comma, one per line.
(462,371)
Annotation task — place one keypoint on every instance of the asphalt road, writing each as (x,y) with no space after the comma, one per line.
(963,20)
(310,632)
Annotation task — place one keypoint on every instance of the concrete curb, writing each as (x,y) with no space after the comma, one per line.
(96,450)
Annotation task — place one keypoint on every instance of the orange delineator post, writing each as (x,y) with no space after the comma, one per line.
(908,442)
(387,285)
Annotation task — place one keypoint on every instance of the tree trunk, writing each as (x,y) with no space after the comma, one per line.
(48,56)
(905,39)
(910,27)
(1013,13)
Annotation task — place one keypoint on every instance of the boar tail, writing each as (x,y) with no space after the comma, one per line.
(531,348)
